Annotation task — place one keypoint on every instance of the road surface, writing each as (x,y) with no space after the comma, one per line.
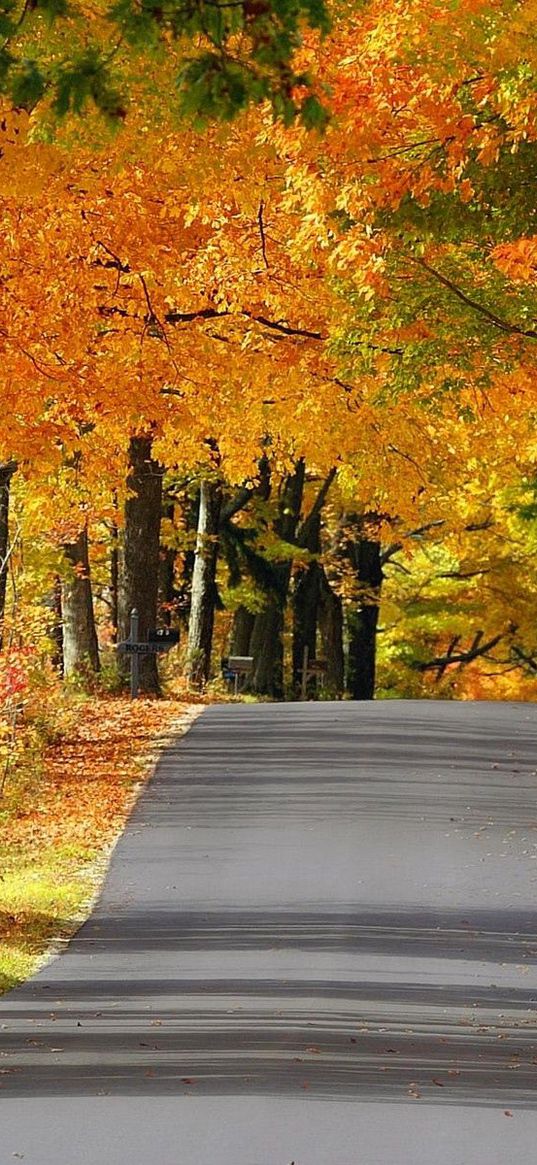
(316,944)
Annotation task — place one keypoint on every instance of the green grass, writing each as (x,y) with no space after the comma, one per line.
(40,904)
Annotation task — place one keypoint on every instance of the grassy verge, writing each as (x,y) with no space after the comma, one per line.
(61,813)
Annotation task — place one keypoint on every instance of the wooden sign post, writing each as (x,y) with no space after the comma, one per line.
(158,642)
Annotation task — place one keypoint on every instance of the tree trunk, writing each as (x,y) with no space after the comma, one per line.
(80,648)
(56,627)
(166,588)
(305,612)
(306,595)
(203,599)
(140,558)
(241,631)
(267,636)
(331,628)
(114,582)
(363,620)
(6,473)
(184,564)
(266,646)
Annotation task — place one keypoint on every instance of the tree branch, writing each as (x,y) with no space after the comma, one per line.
(441,662)
(316,508)
(287,331)
(495,320)
(115,261)
(528,660)
(209,313)
(463,574)
(262,232)
(397,546)
(259,489)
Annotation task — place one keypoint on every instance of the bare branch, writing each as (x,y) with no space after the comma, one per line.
(476,526)
(186,317)
(262,232)
(115,263)
(278,326)
(461,575)
(209,313)
(417,533)
(524,659)
(495,320)
(441,662)
(303,533)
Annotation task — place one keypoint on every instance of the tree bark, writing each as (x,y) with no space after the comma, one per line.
(203,597)
(166,589)
(266,646)
(140,558)
(114,581)
(306,596)
(6,473)
(80,647)
(305,613)
(56,628)
(331,629)
(267,636)
(241,631)
(184,563)
(365,555)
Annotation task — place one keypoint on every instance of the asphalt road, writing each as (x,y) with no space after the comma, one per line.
(316,944)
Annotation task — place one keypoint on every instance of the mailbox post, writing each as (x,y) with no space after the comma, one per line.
(158,642)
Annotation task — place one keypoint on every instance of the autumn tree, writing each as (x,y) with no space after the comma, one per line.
(361,302)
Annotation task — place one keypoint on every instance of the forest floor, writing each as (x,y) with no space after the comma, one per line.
(62,812)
